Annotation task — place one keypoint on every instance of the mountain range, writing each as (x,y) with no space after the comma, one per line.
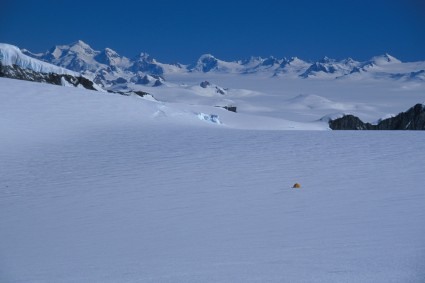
(109,69)
(79,65)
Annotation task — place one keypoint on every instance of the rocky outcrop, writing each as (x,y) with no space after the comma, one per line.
(349,122)
(16,72)
(230,108)
(205,84)
(412,119)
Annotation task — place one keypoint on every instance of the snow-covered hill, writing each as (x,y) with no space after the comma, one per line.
(98,187)
(11,55)
(14,64)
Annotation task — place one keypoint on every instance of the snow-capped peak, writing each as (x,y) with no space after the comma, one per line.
(293,61)
(207,56)
(205,63)
(11,55)
(77,56)
(385,59)
(326,60)
(110,52)
(253,60)
(81,46)
(146,64)
(350,62)
(112,58)
(143,56)
(80,43)
(270,61)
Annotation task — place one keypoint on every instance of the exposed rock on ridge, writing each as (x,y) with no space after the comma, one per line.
(16,72)
(412,119)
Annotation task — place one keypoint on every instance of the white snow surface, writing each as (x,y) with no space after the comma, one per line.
(12,55)
(98,187)
(302,100)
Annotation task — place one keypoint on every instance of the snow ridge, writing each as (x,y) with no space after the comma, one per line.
(11,55)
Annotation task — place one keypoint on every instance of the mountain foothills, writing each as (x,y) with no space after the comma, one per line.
(292,88)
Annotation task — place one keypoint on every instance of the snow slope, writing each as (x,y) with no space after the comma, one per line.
(12,55)
(51,107)
(99,187)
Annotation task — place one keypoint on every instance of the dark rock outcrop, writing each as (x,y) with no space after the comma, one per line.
(204,84)
(412,119)
(349,122)
(119,80)
(157,83)
(16,72)
(133,92)
(230,108)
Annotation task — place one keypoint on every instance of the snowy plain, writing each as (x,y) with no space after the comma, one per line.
(98,187)
(295,99)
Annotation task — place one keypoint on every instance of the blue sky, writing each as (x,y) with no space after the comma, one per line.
(180,31)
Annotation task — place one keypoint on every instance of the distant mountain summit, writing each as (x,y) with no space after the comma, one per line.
(330,68)
(77,56)
(146,64)
(384,59)
(208,63)
(109,69)
(106,67)
(112,59)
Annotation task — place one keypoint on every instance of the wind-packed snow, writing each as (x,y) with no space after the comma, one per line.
(98,187)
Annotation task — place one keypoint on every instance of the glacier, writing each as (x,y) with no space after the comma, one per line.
(99,187)
(162,184)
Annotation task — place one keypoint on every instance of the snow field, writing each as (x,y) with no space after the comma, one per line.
(187,205)
(105,188)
